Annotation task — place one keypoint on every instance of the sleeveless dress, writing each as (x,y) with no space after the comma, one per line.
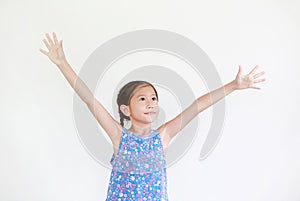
(138,169)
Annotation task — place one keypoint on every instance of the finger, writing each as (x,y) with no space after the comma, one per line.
(259,74)
(44,52)
(254,87)
(260,80)
(49,39)
(46,43)
(55,38)
(240,69)
(253,69)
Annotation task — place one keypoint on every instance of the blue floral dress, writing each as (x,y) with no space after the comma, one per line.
(138,169)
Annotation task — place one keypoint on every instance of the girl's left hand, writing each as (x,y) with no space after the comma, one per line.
(248,81)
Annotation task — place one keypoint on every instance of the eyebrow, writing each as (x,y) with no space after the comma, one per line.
(146,95)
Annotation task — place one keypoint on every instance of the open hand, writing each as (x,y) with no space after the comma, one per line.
(248,81)
(56,53)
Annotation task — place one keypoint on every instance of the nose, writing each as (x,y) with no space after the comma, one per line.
(150,104)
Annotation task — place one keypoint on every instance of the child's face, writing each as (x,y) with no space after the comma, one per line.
(143,105)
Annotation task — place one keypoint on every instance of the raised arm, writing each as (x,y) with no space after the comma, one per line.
(57,56)
(172,127)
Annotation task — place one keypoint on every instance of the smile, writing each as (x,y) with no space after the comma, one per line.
(151,113)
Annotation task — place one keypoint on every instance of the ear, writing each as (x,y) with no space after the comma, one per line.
(125,110)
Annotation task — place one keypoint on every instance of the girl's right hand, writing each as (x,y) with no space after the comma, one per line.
(56,53)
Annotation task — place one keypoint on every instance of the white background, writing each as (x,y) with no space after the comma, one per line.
(257,158)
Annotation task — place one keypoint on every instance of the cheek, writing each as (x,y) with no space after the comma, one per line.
(137,108)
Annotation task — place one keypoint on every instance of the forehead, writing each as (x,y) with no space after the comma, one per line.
(143,89)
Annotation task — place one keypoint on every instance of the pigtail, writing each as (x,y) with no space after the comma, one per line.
(122,121)
(123,118)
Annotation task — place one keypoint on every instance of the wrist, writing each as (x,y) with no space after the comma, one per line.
(233,85)
(62,64)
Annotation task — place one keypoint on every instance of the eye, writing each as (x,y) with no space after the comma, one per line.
(154,98)
(142,99)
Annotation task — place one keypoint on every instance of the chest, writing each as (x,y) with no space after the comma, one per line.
(137,146)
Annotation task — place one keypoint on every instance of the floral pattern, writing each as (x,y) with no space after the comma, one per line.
(138,169)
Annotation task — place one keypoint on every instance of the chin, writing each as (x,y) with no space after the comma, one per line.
(151,120)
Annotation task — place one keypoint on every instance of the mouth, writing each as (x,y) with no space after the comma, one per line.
(150,113)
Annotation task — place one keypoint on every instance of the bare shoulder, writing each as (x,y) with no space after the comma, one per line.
(117,135)
(164,136)
(116,139)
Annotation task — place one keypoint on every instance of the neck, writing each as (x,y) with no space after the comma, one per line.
(141,130)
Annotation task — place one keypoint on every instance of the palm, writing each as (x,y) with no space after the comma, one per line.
(248,81)
(56,53)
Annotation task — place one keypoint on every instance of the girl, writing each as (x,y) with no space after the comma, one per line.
(138,161)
